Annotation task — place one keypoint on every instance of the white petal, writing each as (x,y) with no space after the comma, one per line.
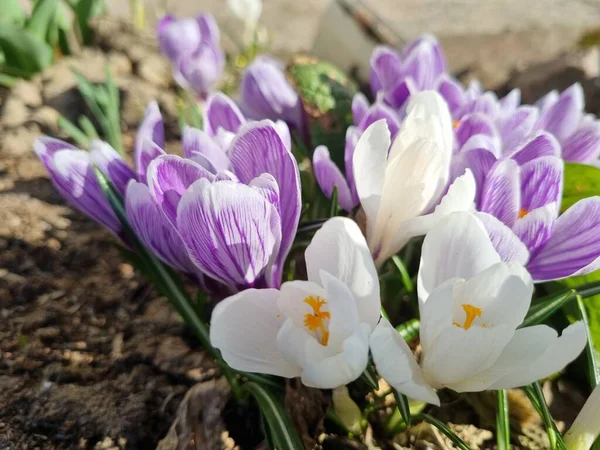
(342,308)
(505,241)
(300,348)
(370,161)
(502,291)
(586,427)
(561,351)
(342,368)
(397,365)
(460,197)
(292,303)
(457,247)
(436,312)
(340,249)
(244,328)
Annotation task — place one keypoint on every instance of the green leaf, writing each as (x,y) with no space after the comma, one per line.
(590,350)
(581,181)
(88,127)
(403,407)
(406,281)
(84,11)
(80,138)
(43,18)
(23,50)
(545,308)
(502,420)
(284,435)
(536,396)
(369,377)
(12,12)
(409,329)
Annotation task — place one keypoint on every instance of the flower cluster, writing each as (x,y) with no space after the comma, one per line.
(480,178)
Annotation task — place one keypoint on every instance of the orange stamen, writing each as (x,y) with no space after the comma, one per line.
(316,320)
(523,212)
(471,312)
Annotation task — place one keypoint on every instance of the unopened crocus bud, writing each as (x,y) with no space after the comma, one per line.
(200,71)
(346,409)
(266,93)
(586,427)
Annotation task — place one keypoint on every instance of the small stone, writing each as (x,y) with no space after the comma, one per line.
(47,118)
(126,270)
(156,70)
(28,92)
(19,141)
(119,64)
(14,112)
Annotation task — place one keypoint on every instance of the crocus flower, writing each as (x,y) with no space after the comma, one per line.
(586,428)
(519,206)
(194,49)
(327,173)
(72,173)
(265,93)
(248,11)
(471,305)
(395,77)
(317,329)
(563,116)
(399,189)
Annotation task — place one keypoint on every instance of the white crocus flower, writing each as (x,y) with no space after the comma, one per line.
(471,305)
(317,329)
(399,190)
(586,428)
(248,11)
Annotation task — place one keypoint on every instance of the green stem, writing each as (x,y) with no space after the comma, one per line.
(502,420)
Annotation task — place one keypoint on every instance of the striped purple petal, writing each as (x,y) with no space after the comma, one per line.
(230,230)
(45,147)
(573,247)
(153,228)
(541,183)
(486,104)
(196,142)
(505,241)
(222,112)
(452,91)
(72,174)
(535,228)
(541,144)
(397,96)
(200,71)
(423,61)
(501,192)
(562,117)
(169,176)
(510,101)
(379,111)
(177,37)
(111,164)
(474,124)
(209,29)
(259,149)
(360,106)
(328,177)
(480,161)
(583,145)
(385,69)
(515,126)
(149,141)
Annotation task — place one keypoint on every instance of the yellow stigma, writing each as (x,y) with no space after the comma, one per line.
(455,123)
(471,313)
(316,320)
(523,212)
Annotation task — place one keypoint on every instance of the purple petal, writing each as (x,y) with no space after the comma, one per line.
(541,183)
(380,111)
(510,101)
(259,149)
(266,94)
(73,176)
(267,186)
(480,161)
(584,144)
(222,112)
(110,162)
(397,96)
(514,127)
(149,141)
(563,116)
(423,61)
(535,228)
(542,144)
(201,70)
(486,104)
(196,142)
(352,137)
(329,177)
(504,240)
(452,91)
(573,247)
(177,38)
(547,100)
(284,133)
(45,147)
(169,176)
(474,124)
(209,30)
(153,228)
(385,69)
(360,106)
(481,141)
(231,231)
(501,192)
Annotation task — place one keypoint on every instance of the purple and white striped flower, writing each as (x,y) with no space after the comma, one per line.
(193,47)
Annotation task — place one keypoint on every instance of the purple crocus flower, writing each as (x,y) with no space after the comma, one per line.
(72,173)
(395,76)
(327,174)
(563,116)
(519,206)
(193,47)
(265,93)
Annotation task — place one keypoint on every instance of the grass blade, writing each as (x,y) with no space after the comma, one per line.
(592,363)
(43,17)
(284,435)
(502,420)
(545,308)
(536,396)
(369,377)
(88,127)
(403,407)
(333,209)
(406,281)
(75,133)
